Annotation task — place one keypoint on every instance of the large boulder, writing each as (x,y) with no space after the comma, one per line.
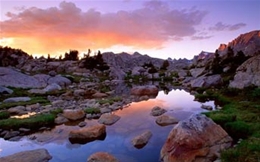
(60,80)
(73,114)
(108,119)
(141,140)
(194,140)
(248,74)
(164,120)
(38,155)
(13,78)
(101,157)
(206,81)
(87,134)
(145,90)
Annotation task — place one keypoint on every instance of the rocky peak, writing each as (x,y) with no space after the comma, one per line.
(249,43)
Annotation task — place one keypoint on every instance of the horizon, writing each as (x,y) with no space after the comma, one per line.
(161,29)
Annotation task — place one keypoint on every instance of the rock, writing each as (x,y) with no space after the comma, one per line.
(52,73)
(102,157)
(4,90)
(38,155)
(105,110)
(99,95)
(79,92)
(33,107)
(11,134)
(87,134)
(247,74)
(108,119)
(37,91)
(60,120)
(144,90)
(157,111)
(24,130)
(52,87)
(74,114)
(82,124)
(12,78)
(206,107)
(17,99)
(61,81)
(141,140)
(194,139)
(206,81)
(196,72)
(164,120)
(19,110)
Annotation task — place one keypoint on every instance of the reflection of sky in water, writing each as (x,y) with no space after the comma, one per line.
(135,119)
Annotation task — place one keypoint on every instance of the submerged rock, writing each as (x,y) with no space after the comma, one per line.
(108,119)
(157,111)
(102,157)
(195,139)
(87,134)
(164,120)
(141,140)
(38,155)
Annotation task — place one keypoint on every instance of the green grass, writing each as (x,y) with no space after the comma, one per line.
(240,117)
(92,110)
(34,122)
(110,100)
(34,100)
(4,115)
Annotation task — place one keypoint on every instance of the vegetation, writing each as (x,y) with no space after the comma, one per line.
(240,117)
(4,115)
(92,110)
(34,122)
(110,100)
(94,62)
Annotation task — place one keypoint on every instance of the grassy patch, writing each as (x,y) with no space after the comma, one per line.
(92,110)
(109,100)
(240,117)
(4,115)
(34,100)
(34,122)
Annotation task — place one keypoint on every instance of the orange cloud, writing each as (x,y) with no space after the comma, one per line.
(68,27)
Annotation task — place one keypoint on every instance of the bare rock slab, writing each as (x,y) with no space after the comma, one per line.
(88,134)
(164,120)
(194,139)
(108,119)
(102,157)
(141,140)
(74,114)
(38,155)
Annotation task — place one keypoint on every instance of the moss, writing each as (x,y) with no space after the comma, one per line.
(34,122)
(92,110)
(57,111)
(4,115)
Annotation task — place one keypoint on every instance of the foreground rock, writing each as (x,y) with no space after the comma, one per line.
(157,111)
(39,155)
(74,114)
(145,90)
(108,119)
(87,134)
(248,74)
(164,120)
(17,99)
(194,140)
(102,157)
(141,140)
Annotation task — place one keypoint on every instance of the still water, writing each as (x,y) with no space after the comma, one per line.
(135,119)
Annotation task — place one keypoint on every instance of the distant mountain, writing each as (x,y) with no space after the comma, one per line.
(249,43)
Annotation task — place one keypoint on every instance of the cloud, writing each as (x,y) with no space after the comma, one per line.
(69,27)
(226,27)
(200,37)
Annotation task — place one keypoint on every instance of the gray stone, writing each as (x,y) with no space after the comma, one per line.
(60,120)
(206,81)
(74,114)
(99,95)
(105,110)
(102,157)
(157,111)
(20,110)
(52,87)
(11,134)
(52,73)
(196,72)
(17,99)
(4,90)
(61,81)
(38,155)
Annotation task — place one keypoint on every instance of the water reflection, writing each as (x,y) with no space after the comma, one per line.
(135,119)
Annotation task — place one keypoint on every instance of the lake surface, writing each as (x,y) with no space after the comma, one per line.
(135,119)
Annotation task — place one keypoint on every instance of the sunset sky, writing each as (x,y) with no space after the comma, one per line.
(159,28)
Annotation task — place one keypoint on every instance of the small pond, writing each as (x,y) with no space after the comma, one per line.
(135,119)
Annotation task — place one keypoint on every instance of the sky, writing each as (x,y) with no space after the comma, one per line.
(159,28)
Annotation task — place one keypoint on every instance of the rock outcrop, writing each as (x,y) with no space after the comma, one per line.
(248,74)
(87,134)
(39,155)
(195,139)
(102,157)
